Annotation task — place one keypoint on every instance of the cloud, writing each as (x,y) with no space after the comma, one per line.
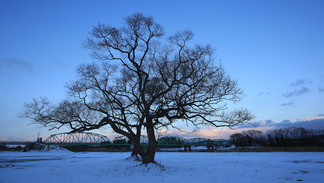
(267,123)
(308,123)
(313,123)
(287,104)
(320,89)
(14,67)
(263,93)
(298,82)
(299,92)
(321,115)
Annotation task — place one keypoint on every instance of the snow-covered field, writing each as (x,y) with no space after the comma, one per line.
(64,166)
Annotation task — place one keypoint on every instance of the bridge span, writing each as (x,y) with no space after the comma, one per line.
(82,138)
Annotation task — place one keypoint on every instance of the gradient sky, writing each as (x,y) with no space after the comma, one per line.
(275,49)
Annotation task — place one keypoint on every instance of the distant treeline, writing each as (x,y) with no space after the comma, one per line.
(291,136)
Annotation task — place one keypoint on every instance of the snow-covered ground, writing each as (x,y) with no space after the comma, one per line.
(64,166)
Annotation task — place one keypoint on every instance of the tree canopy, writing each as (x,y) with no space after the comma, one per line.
(143,80)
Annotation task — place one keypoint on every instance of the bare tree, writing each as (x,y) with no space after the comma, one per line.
(143,82)
(238,139)
(254,137)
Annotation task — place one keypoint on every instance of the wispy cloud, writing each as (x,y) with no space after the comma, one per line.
(321,116)
(308,123)
(15,67)
(298,92)
(320,89)
(264,93)
(298,82)
(298,89)
(287,104)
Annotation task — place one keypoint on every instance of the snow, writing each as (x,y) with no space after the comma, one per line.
(59,165)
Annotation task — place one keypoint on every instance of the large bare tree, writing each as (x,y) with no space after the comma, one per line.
(143,81)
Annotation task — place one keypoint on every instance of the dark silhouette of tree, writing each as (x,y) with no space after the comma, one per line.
(255,137)
(248,138)
(238,140)
(283,137)
(270,140)
(142,82)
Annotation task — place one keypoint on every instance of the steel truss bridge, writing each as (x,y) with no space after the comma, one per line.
(87,138)
(82,138)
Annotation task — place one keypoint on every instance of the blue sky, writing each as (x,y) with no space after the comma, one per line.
(275,49)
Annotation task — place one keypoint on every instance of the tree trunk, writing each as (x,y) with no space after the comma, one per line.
(137,149)
(149,155)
